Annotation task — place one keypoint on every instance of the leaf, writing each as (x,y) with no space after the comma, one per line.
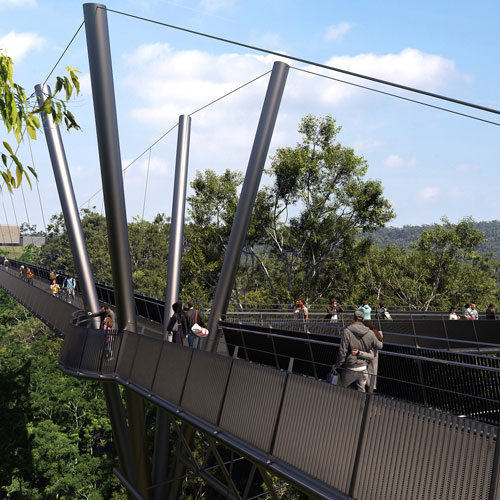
(7,180)
(28,177)
(33,171)
(8,148)
(68,88)
(19,174)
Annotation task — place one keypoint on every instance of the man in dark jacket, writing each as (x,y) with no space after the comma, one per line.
(177,324)
(357,339)
(103,313)
(193,316)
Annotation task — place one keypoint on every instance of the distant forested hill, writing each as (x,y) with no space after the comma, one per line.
(402,237)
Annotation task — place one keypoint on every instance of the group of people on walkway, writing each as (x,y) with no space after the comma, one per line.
(471,312)
(26,274)
(67,286)
(187,322)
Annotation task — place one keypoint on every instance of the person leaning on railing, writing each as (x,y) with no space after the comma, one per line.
(103,313)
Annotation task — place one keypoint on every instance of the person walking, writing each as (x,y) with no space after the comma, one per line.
(177,324)
(193,316)
(372,370)
(452,313)
(473,314)
(333,311)
(382,312)
(70,285)
(490,312)
(366,310)
(30,275)
(55,289)
(353,368)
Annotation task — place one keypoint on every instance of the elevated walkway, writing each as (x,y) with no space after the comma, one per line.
(330,442)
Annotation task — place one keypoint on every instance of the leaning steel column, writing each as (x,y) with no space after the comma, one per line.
(83,269)
(177,219)
(248,195)
(239,229)
(101,75)
(161,451)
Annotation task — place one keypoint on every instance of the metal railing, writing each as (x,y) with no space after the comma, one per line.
(331,442)
(460,383)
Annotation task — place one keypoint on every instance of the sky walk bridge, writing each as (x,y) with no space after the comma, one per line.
(327,441)
(257,404)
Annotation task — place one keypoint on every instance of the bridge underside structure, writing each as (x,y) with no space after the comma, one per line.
(327,441)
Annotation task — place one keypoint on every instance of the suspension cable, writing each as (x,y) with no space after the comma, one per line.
(64,52)
(37,186)
(176,125)
(13,208)
(312,63)
(5,213)
(25,207)
(146,186)
(229,93)
(396,96)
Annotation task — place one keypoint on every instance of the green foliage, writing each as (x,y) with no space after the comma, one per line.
(31,254)
(324,182)
(403,237)
(56,433)
(441,269)
(19,114)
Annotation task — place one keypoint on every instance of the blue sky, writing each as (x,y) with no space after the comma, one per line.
(431,163)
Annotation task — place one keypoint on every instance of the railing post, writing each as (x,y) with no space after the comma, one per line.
(83,269)
(248,195)
(103,95)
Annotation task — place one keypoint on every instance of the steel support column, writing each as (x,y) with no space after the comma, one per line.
(83,270)
(101,75)
(161,451)
(248,195)
(177,218)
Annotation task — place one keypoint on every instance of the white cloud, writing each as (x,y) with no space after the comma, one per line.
(428,194)
(170,82)
(17,3)
(337,31)
(410,67)
(17,45)
(396,161)
(167,82)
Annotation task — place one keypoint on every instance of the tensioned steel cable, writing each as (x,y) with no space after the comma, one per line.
(312,63)
(5,213)
(229,93)
(176,125)
(146,186)
(396,96)
(37,187)
(25,207)
(132,162)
